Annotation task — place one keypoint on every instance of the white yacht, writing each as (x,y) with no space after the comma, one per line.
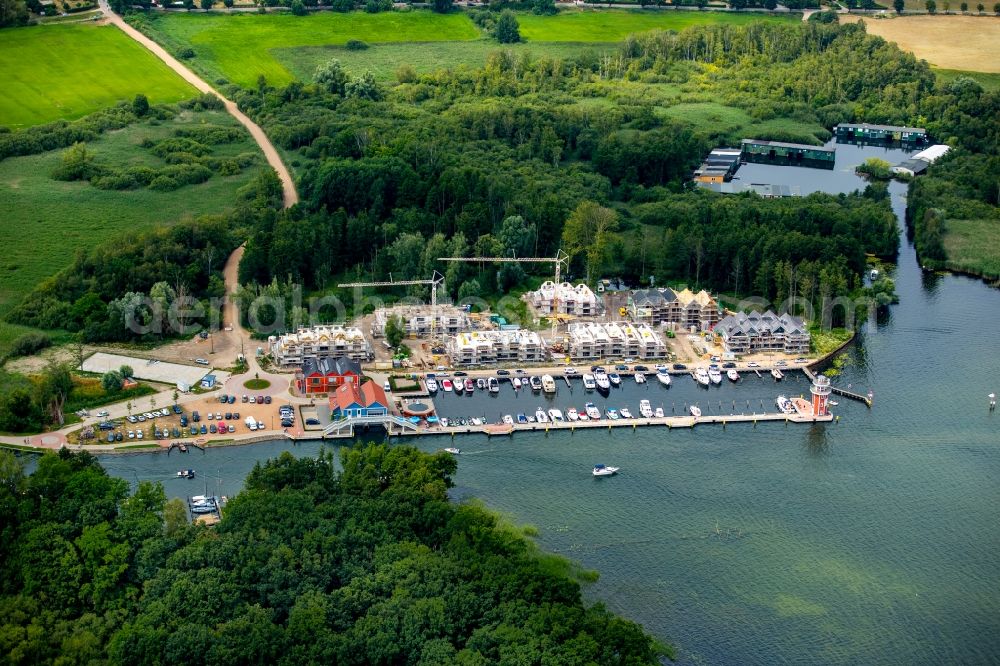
(556,415)
(640,378)
(777,374)
(701,376)
(477,421)
(481,384)
(614,378)
(459,385)
(541,416)
(733,375)
(626,414)
(659,412)
(548,384)
(452,450)
(592,411)
(535,382)
(715,374)
(515,382)
(695,410)
(572,414)
(602,380)
(663,376)
(588,382)
(613,414)
(494,385)
(602,470)
(508,419)
(645,409)
(432,385)
(785,405)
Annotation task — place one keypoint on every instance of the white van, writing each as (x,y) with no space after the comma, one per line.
(251,422)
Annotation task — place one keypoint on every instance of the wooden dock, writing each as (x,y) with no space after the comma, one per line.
(839,391)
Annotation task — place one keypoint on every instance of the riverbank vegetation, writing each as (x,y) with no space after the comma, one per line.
(68,71)
(369,565)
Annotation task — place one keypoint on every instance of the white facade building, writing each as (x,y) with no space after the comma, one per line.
(488,347)
(564,298)
(591,340)
(423,319)
(317,342)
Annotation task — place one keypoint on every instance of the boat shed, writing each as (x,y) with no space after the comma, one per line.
(880,133)
(779,152)
(911,168)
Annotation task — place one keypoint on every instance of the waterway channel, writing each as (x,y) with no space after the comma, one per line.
(873,540)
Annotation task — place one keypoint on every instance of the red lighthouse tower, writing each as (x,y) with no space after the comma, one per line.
(820,390)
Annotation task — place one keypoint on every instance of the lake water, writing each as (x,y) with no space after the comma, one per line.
(874,540)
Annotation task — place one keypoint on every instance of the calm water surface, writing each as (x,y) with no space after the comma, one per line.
(870,541)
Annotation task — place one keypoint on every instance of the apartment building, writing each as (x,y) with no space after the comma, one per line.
(749,332)
(319,342)
(489,347)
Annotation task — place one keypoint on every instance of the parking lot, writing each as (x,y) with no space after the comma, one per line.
(208,417)
(150,369)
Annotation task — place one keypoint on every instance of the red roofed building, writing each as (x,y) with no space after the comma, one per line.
(348,401)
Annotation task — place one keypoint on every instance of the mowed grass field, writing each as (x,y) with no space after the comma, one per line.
(973,246)
(48,221)
(68,71)
(239,48)
(970,43)
(613,25)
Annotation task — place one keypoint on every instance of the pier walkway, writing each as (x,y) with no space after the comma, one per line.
(839,391)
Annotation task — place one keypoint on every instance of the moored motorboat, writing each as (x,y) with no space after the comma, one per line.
(481,384)
(614,378)
(640,378)
(541,416)
(733,375)
(521,418)
(584,417)
(695,410)
(626,414)
(446,385)
(469,386)
(494,385)
(785,405)
(588,382)
(603,470)
(535,382)
(613,414)
(777,374)
(572,414)
(663,376)
(515,382)
(714,374)
(186,474)
(592,411)
(603,383)
(658,413)
(508,419)
(548,384)
(645,409)
(556,415)
(477,421)
(701,376)
(432,385)
(445,421)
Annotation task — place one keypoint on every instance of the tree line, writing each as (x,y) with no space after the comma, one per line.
(368,565)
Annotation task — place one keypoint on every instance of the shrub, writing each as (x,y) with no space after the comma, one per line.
(228,168)
(355,45)
(29,344)
(507,30)
(164,184)
(185,53)
(298,8)
(406,74)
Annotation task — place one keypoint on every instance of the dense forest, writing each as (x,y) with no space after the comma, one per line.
(310,565)
(441,163)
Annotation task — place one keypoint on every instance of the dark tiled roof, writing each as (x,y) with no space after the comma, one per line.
(331,366)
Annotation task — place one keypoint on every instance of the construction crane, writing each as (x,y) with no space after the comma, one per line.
(560,259)
(435,281)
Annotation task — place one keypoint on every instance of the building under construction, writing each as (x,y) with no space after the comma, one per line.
(423,320)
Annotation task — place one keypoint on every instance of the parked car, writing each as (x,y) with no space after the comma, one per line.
(201,361)
(781,363)
(260,400)
(203,430)
(245,398)
(138,434)
(102,413)
(730,364)
(641,368)
(131,434)
(218,416)
(229,416)
(231,428)
(253,400)
(286,423)
(106,425)
(680,366)
(798,360)
(236,416)
(184,421)
(141,418)
(223,398)
(461,374)
(111,437)
(232,399)
(212,429)
(753,364)
(177,409)
(716,359)
(195,416)
(385,387)
(118,437)
(194,430)
(267,400)
(621,366)
(500,373)
(132,419)
(312,421)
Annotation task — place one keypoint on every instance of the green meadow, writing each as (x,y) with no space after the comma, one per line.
(54,219)
(973,246)
(67,71)
(282,47)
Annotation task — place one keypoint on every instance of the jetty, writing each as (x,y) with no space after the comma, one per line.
(839,391)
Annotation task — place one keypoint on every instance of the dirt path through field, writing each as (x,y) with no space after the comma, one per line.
(291,197)
(969,43)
